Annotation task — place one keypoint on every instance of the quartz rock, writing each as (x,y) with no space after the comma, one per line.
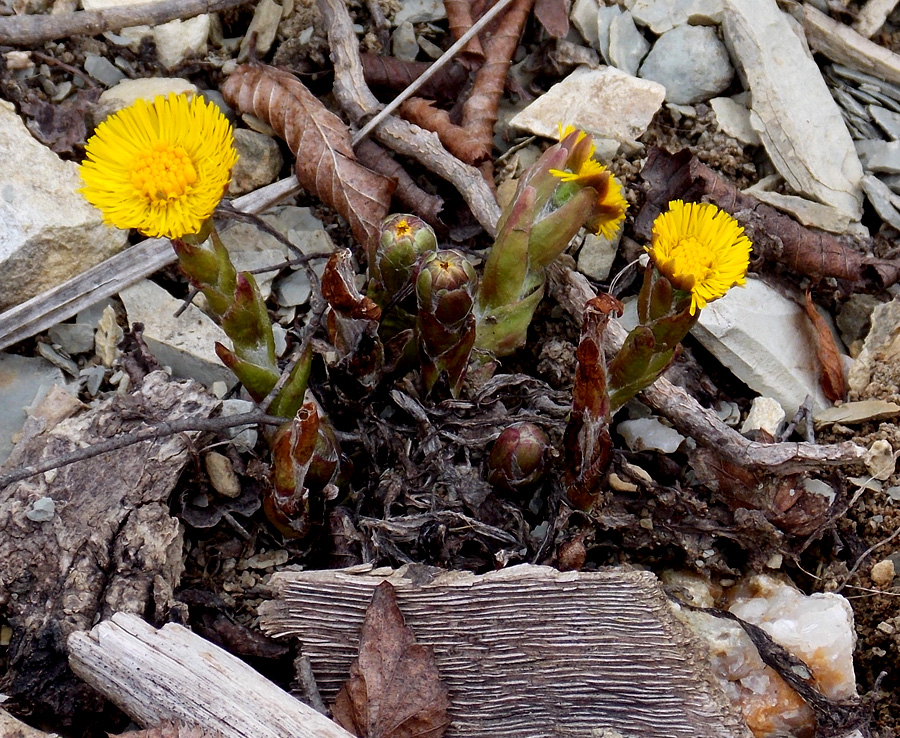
(766,340)
(648,434)
(259,162)
(664,15)
(175,40)
(24,381)
(584,18)
(186,343)
(605,101)
(48,231)
(733,118)
(816,628)
(795,115)
(691,63)
(627,46)
(597,255)
(128,91)
(766,415)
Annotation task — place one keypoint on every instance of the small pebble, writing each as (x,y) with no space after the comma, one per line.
(42,510)
(883,573)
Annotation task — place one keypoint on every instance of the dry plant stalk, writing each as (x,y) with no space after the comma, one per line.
(326,164)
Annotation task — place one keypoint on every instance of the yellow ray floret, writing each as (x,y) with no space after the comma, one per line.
(160,167)
(610,206)
(700,249)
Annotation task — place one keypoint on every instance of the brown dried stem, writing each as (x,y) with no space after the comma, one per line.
(31,30)
(456,139)
(358,101)
(572,291)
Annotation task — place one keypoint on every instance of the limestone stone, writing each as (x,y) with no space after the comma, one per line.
(806,211)
(854,413)
(186,343)
(649,434)
(259,162)
(605,101)
(419,11)
(605,17)
(627,46)
(766,340)
(128,91)
(262,29)
(48,231)
(23,382)
(691,63)
(664,15)
(883,200)
(887,120)
(765,414)
(879,156)
(175,40)
(597,254)
(883,573)
(404,43)
(584,18)
(733,118)
(795,115)
(880,460)
(880,348)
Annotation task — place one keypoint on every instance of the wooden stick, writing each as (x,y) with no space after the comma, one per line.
(28,30)
(173,674)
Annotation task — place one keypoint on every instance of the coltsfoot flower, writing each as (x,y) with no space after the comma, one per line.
(160,167)
(700,249)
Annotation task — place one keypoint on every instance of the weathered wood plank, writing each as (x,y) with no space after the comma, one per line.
(527,651)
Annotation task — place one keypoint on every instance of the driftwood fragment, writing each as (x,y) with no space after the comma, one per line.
(110,544)
(173,674)
(572,290)
(33,30)
(527,651)
(776,237)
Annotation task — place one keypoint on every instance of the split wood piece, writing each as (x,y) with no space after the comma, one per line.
(12,728)
(110,543)
(174,674)
(115,274)
(572,290)
(526,651)
(408,140)
(30,30)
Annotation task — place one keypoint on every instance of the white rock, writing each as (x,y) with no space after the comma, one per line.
(597,255)
(880,460)
(175,40)
(420,11)
(23,383)
(221,474)
(854,413)
(107,337)
(797,119)
(584,18)
(73,338)
(690,62)
(880,347)
(872,15)
(246,435)
(627,46)
(262,29)
(605,101)
(806,211)
(664,15)
(817,628)
(403,42)
(42,510)
(733,118)
(648,434)
(259,162)
(48,231)
(607,14)
(766,340)
(765,414)
(883,573)
(186,343)
(128,91)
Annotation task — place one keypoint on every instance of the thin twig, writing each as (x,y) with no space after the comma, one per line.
(432,70)
(157,430)
(30,30)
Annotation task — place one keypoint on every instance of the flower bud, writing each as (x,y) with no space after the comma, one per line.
(519,457)
(404,238)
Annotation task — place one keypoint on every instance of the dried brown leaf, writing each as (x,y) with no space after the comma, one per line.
(460,20)
(390,73)
(61,126)
(172,730)
(326,164)
(394,690)
(553,15)
(456,139)
(832,377)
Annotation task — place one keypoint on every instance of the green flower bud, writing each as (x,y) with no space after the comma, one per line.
(404,238)
(518,458)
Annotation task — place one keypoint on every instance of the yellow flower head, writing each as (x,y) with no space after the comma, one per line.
(162,167)
(700,249)
(610,205)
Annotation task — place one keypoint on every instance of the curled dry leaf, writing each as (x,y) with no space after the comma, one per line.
(553,15)
(173,730)
(326,164)
(832,377)
(456,139)
(776,237)
(394,690)
(391,73)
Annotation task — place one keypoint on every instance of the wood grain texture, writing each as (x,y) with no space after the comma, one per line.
(527,651)
(173,674)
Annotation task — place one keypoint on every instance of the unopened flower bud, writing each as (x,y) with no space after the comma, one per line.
(404,238)
(519,457)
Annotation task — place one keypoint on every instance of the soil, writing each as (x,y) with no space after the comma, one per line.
(404,471)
